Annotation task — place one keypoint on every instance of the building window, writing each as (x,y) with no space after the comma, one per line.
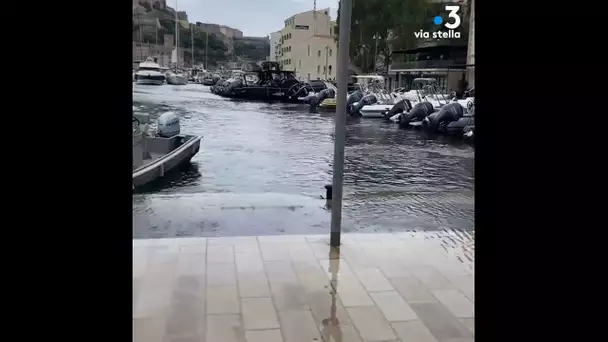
(300,64)
(329,52)
(309,76)
(318,69)
(330,31)
(289,35)
(324,70)
(329,70)
(308,50)
(319,53)
(289,48)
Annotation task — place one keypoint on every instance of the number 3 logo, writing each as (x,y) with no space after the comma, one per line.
(453,14)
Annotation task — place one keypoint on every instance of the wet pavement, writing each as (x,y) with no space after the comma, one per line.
(397,287)
(262,167)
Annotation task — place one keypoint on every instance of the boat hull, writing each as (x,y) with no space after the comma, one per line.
(157,80)
(375,111)
(159,167)
(176,80)
(151,78)
(267,94)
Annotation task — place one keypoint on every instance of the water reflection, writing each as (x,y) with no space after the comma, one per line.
(332,331)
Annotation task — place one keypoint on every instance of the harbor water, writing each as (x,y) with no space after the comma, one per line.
(262,168)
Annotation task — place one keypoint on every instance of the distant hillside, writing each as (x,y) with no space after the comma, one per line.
(144,30)
(252,48)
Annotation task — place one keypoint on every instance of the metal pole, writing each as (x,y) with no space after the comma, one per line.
(176,38)
(326,57)
(340,135)
(206,46)
(192,37)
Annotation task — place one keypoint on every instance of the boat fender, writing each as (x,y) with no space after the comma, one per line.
(168,125)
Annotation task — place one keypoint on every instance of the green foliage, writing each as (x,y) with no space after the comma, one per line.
(216,48)
(257,51)
(394,23)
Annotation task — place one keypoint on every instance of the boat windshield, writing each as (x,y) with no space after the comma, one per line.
(149,68)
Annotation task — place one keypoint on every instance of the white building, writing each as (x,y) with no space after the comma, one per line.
(308,46)
(275,46)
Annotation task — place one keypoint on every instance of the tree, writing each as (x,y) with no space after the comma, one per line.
(256,51)
(393,22)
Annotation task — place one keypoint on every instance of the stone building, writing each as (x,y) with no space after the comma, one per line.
(308,45)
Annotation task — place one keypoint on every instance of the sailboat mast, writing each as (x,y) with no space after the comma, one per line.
(176,37)
(206,45)
(192,36)
(141,57)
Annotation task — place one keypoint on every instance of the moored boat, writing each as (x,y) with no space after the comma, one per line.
(149,72)
(176,77)
(265,82)
(156,154)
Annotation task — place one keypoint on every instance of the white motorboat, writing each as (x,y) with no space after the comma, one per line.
(176,77)
(374,85)
(156,154)
(149,73)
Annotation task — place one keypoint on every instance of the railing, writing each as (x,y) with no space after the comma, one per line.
(428,64)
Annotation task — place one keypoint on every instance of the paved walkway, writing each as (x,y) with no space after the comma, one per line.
(405,287)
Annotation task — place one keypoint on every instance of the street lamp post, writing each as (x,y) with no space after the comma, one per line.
(340,135)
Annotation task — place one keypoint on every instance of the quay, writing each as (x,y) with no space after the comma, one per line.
(398,287)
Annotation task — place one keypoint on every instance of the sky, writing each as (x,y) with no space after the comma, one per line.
(253,17)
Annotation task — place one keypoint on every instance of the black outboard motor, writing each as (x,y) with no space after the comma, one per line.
(402,106)
(420,111)
(437,121)
(316,99)
(229,88)
(355,96)
(302,92)
(456,128)
(354,108)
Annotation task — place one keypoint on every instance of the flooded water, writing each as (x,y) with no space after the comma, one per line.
(262,167)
